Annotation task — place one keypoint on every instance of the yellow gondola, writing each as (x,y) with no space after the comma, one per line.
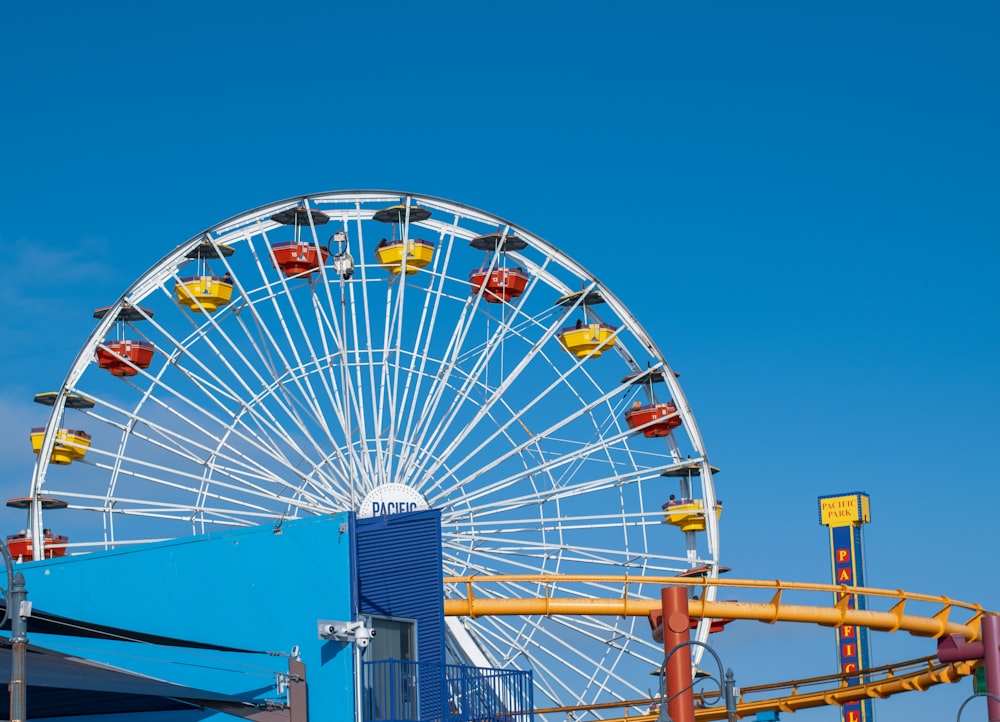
(71,444)
(583,339)
(688,514)
(204,293)
(417,253)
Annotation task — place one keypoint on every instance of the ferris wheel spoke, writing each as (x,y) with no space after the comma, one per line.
(293,342)
(301,395)
(460,560)
(507,647)
(181,438)
(241,483)
(313,407)
(422,349)
(343,395)
(570,454)
(396,324)
(518,326)
(501,390)
(200,455)
(551,649)
(484,409)
(573,453)
(610,642)
(542,558)
(440,385)
(470,383)
(608,638)
(132,506)
(453,354)
(334,348)
(403,361)
(402,324)
(563,493)
(367,360)
(170,478)
(465,521)
(172,442)
(212,385)
(268,426)
(381,397)
(596,672)
(360,463)
(445,368)
(506,541)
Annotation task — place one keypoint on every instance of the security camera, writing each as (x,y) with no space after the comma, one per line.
(345,632)
(363,637)
(343,264)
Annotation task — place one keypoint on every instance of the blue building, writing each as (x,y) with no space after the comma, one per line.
(325,618)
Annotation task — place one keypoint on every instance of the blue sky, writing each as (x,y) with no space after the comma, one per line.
(799,203)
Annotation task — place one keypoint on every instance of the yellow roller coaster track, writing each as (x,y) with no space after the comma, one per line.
(834,690)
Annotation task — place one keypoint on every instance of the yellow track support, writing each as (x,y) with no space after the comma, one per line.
(903,677)
(914,675)
(775,610)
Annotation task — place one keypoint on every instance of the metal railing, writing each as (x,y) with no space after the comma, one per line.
(398,691)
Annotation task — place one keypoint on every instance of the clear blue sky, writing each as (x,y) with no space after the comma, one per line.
(799,202)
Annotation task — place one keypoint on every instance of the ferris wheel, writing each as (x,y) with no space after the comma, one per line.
(377,351)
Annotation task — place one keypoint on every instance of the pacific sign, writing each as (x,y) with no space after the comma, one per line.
(391,499)
(844,514)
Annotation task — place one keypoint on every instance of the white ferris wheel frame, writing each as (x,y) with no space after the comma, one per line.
(545,263)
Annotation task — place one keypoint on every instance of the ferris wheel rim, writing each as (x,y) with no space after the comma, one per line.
(374,195)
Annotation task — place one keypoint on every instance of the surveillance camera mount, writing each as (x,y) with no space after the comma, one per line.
(346,632)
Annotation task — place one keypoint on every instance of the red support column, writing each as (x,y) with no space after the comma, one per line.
(991,660)
(677,630)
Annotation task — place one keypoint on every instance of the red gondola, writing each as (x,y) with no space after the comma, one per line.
(116,355)
(664,415)
(21,548)
(295,258)
(499,285)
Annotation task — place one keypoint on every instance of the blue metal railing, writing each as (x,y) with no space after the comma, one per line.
(397,691)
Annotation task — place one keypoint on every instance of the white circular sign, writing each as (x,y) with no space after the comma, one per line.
(391,499)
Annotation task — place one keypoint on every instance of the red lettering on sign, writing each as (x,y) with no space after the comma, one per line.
(844,575)
(843,555)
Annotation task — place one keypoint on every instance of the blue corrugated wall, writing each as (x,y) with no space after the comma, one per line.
(399,575)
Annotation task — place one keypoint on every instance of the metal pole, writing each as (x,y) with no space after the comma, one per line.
(298,698)
(991,661)
(730,696)
(20,611)
(676,642)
